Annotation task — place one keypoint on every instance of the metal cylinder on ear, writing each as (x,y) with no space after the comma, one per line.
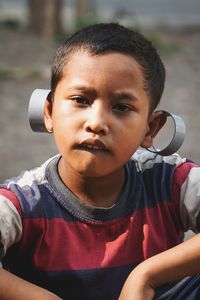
(36,110)
(177,139)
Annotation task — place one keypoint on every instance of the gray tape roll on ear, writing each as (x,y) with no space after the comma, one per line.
(36,110)
(177,139)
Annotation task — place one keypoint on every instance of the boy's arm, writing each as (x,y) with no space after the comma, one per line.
(11,286)
(15,288)
(170,265)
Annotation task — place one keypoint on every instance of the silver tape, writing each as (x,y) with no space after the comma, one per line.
(177,139)
(36,110)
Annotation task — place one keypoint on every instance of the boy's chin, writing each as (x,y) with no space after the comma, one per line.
(92,172)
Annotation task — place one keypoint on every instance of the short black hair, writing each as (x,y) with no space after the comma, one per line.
(112,37)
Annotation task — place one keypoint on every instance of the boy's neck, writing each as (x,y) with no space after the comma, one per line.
(99,192)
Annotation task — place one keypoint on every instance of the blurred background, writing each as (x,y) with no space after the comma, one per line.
(31,30)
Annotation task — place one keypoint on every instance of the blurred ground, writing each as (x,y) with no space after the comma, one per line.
(25,65)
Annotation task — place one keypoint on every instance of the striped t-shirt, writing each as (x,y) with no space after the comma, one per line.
(51,238)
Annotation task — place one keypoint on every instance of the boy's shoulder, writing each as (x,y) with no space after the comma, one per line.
(147,160)
(28,178)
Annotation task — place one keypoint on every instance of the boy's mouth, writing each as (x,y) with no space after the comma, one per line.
(92,144)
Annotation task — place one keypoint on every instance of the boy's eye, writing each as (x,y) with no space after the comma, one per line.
(80,100)
(121,107)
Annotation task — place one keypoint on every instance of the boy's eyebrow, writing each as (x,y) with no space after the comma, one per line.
(125,95)
(80,87)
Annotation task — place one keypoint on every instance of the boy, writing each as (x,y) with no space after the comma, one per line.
(97,222)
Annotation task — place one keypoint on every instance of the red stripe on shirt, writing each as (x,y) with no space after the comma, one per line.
(12,198)
(76,245)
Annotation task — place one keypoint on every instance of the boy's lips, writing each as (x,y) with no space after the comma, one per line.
(93,144)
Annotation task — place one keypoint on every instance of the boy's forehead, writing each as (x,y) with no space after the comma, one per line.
(111,72)
(111,61)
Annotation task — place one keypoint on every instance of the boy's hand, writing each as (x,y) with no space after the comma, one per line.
(173,264)
(15,288)
(137,287)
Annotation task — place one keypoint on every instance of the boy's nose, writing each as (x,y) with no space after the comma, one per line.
(97,121)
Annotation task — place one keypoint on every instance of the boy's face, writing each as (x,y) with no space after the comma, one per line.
(100,113)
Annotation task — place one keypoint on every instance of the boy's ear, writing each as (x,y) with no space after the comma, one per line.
(156,121)
(48,106)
